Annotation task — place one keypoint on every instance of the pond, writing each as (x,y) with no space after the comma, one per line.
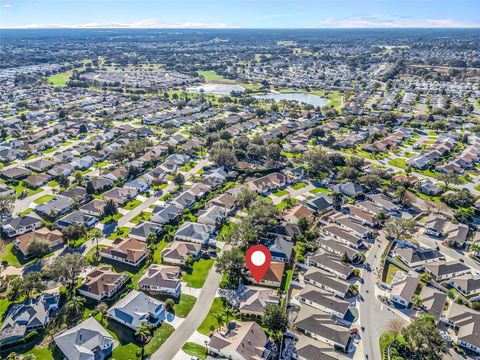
(218,89)
(311,99)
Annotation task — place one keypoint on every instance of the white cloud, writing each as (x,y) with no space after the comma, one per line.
(6,5)
(381,21)
(142,24)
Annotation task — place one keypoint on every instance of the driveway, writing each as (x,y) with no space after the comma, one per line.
(187,328)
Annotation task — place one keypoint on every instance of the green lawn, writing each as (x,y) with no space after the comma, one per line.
(210,321)
(8,256)
(385,339)
(400,163)
(199,273)
(25,212)
(299,185)
(20,188)
(52,183)
(132,204)
(196,350)
(185,305)
(60,79)
(286,203)
(41,353)
(44,199)
(143,216)
(4,304)
(109,218)
(321,190)
(119,233)
(280,193)
(287,277)
(51,150)
(212,76)
(159,337)
(391,270)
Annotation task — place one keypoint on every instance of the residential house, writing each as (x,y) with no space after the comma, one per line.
(178,251)
(102,283)
(319,325)
(76,218)
(195,232)
(15,226)
(55,207)
(252,300)
(418,256)
(23,318)
(273,276)
(327,281)
(467,285)
(88,340)
(143,229)
(22,242)
(161,279)
(240,341)
(136,309)
(404,289)
(445,271)
(128,251)
(120,195)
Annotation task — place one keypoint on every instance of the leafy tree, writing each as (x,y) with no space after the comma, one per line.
(246,197)
(449,178)
(90,189)
(27,286)
(231,263)
(38,247)
(65,269)
(169,305)
(75,231)
(63,181)
(275,318)
(417,300)
(459,199)
(110,208)
(223,154)
(337,198)
(370,181)
(423,337)
(303,224)
(7,204)
(400,228)
(178,179)
(75,306)
(425,277)
(317,161)
(396,326)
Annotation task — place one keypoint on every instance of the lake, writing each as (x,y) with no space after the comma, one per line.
(311,99)
(218,89)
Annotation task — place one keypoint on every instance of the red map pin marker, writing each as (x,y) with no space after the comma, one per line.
(258,260)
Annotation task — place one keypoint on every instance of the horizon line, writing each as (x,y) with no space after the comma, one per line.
(241,28)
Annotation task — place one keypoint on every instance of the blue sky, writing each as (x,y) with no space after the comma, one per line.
(239,13)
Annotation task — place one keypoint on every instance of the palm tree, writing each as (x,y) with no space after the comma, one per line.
(228,312)
(75,305)
(219,318)
(475,248)
(417,301)
(360,257)
(101,309)
(143,332)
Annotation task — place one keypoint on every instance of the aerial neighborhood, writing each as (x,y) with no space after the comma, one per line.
(134,177)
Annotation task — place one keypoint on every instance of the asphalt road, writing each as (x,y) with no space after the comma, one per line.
(181,335)
(374,316)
